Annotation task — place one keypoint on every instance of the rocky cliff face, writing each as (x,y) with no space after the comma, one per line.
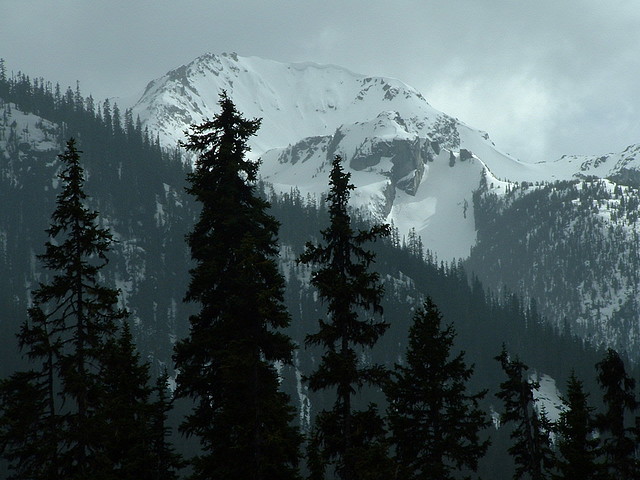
(419,168)
(385,130)
(413,166)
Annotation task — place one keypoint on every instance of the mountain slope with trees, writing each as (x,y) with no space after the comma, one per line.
(226,365)
(86,394)
(139,190)
(571,246)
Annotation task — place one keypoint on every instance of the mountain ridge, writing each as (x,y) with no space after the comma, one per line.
(329,110)
(420,169)
(423,176)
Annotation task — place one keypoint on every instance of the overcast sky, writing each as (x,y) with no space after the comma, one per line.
(544,78)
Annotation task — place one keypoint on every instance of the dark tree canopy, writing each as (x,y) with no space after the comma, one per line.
(531,450)
(435,423)
(353,296)
(226,364)
(620,434)
(576,442)
(129,411)
(166,463)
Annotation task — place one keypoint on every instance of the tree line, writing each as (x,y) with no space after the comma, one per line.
(544,241)
(86,409)
(135,185)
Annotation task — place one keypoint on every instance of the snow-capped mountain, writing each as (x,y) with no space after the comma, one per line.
(295,101)
(413,165)
(402,152)
(419,168)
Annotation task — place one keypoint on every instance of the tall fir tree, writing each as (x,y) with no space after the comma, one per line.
(351,440)
(166,461)
(128,410)
(72,318)
(532,448)
(435,424)
(619,434)
(79,369)
(576,440)
(84,311)
(226,364)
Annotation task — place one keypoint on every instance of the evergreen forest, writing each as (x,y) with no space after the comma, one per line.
(164,320)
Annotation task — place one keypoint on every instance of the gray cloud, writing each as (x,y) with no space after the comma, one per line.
(543,78)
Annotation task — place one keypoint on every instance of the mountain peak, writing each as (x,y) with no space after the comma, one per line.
(299,99)
(401,151)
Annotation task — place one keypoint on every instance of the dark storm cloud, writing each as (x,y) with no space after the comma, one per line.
(543,78)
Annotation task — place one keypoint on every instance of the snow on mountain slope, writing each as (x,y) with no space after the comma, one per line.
(408,160)
(294,100)
(26,131)
(386,131)
(401,178)
(603,166)
(547,396)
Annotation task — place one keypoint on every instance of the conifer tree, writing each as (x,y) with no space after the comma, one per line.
(352,440)
(29,429)
(30,423)
(435,424)
(315,463)
(127,409)
(576,441)
(106,116)
(78,101)
(85,314)
(4,84)
(532,448)
(72,319)
(117,120)
(226,364)
(166,462)
(619,444)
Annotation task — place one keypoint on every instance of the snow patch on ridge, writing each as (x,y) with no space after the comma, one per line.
(547,396)
(410,163)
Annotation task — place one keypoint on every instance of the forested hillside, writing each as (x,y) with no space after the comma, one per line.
(138,190)
(571,246)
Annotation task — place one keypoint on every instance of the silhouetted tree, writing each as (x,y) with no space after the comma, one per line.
(83,309)
(29,426)
(619,443)
(435,424)
(127,409)
(346,436)
(166,461)
(226,364)
(576,441)
(4,84)
(72,320)
(532,448)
